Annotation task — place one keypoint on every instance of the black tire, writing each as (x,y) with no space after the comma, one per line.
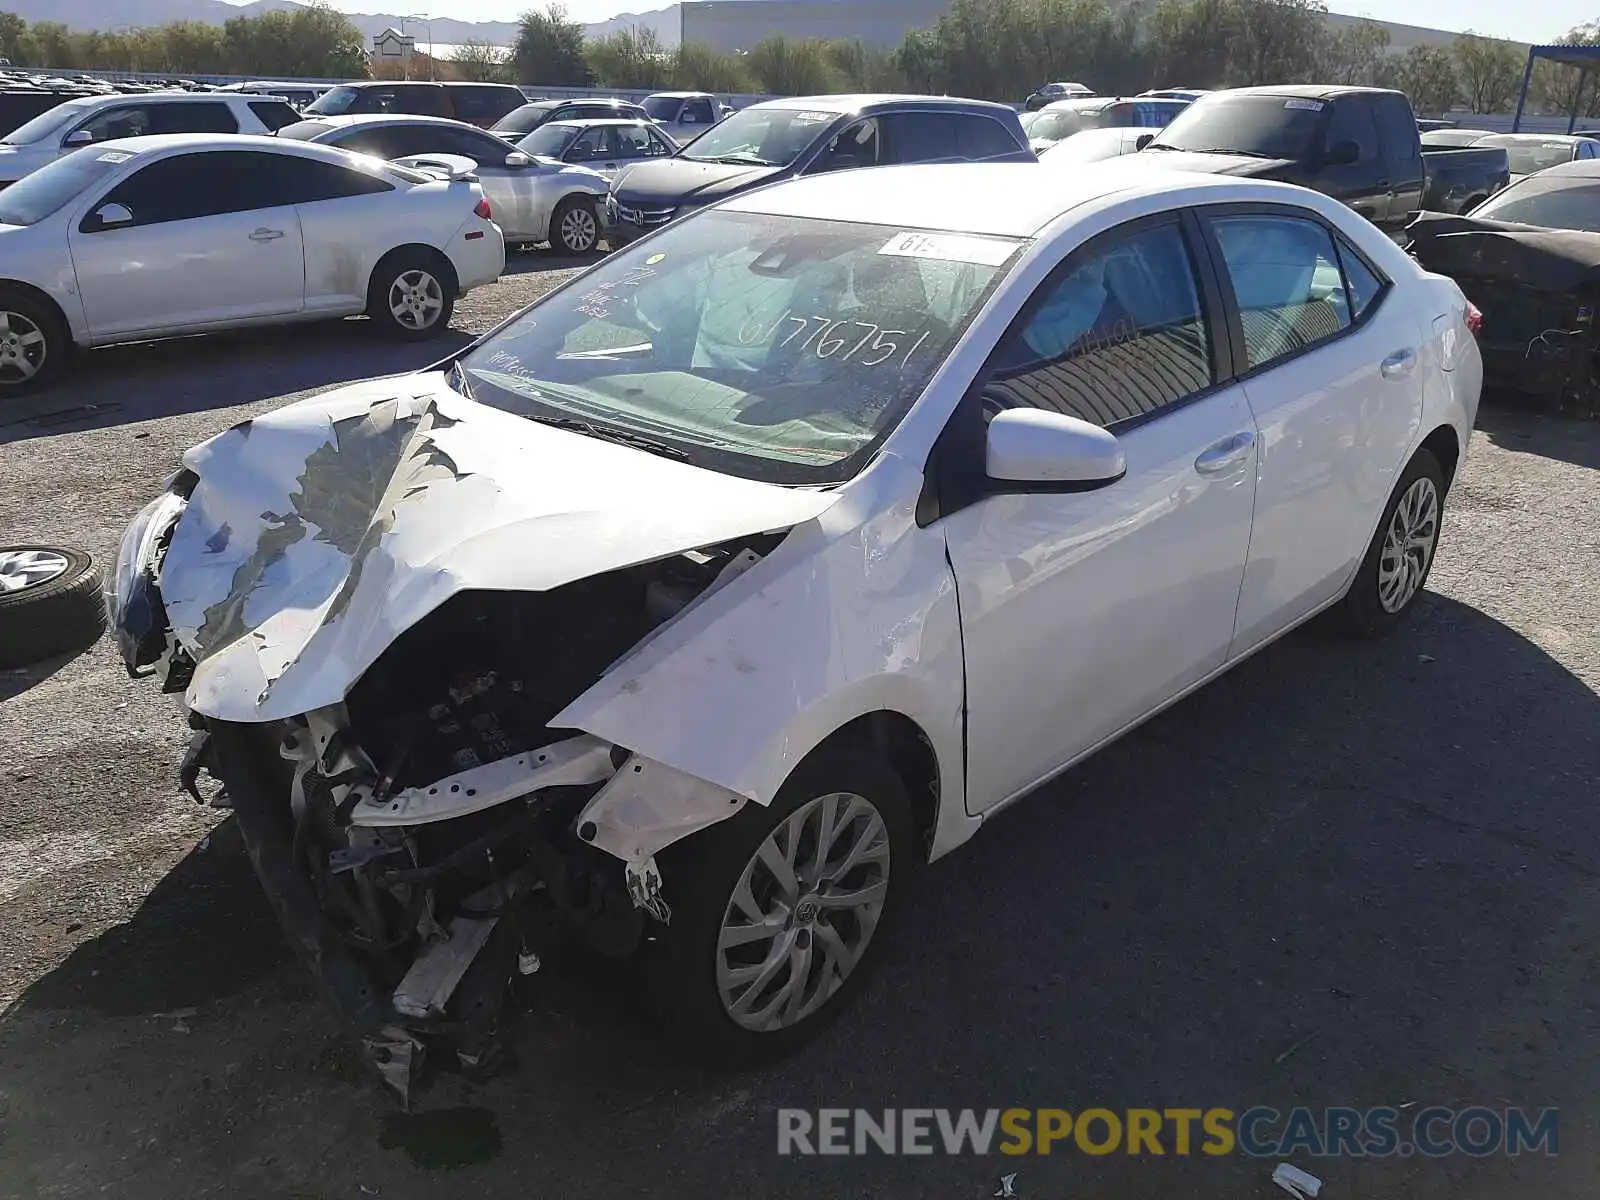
(1362,613)
(66,612)
(36,363)
(699,877)
(585,236)
(432,277)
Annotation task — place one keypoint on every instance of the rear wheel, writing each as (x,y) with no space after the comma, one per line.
(779,913)
(1395,569)
(575,226)
(413,295)
(33,342)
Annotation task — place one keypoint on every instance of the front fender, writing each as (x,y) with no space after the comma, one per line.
(854,613)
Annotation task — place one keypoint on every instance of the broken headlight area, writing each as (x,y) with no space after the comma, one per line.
(134,607)
(430,842)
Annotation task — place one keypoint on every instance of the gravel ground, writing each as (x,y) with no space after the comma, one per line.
(1344,874)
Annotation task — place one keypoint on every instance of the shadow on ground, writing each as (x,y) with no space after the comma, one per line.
(1347,873)
(1527,425)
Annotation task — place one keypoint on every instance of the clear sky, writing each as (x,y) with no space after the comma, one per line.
(1535,21)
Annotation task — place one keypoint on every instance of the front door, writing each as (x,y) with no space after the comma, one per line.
(1083,612)
(1363,184)
(192,252)
(1337,397)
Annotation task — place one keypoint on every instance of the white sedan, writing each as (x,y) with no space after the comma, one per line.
(704,602)
(186,233)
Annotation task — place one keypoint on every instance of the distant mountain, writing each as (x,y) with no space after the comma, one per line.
(119,14)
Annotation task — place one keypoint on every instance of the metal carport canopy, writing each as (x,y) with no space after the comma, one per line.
(1585,58)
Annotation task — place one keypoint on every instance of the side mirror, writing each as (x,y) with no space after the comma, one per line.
(1342,154)
(112,215)
(1143,140)
(79,137)
(1033,445)
(516,160)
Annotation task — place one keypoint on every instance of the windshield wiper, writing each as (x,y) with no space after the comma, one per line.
(621,437)
(1227,150)
(751,160)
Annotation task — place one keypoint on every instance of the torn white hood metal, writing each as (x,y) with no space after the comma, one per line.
(319,533)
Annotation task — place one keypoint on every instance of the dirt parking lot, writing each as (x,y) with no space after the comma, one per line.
(1346,874)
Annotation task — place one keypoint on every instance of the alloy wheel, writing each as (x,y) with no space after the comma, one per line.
(579,231)
(803,912)
(22,569)
(416,299)
(22,348)
(1408,545)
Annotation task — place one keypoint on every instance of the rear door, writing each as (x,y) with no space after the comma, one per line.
(209,243)
(1402,150)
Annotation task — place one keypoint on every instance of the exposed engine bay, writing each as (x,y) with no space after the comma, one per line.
(443,840)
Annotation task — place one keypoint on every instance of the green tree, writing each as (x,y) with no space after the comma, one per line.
(696,66)
(549,49)
(1355,54)
(630,58)
(1488,72)
(480,61)
(1428,75)
(13,37)
(863,69)
(1189,42)
(51,44)
(788,66)
(919,61)
(1276,41)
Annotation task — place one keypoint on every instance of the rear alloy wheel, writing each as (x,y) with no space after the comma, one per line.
(778,914)
(51,601)
(1395,569)
(574,226)
(33,343)
(412,297)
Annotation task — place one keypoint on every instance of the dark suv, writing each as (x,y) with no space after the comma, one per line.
(780,139)
(480,104)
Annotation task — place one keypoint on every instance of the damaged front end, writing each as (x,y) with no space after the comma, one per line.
(1539,293)
(374,641)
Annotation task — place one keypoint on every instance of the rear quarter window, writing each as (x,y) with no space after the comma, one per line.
(274,114)
(984,137)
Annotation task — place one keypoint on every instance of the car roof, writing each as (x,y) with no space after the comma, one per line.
(1588,168)
(172,97)
(1092,103)
(152,143)
(866,103)
(614,101)
(677,95)
(1310,91)
(1566,139)
(350,119)
(595,122)
(997,199)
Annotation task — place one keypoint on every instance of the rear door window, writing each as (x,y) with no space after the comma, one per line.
(699,111)
(983,137)
(274,114)
(388,141)
(919,137)
(1286,281)
(197,117)
(1397,127)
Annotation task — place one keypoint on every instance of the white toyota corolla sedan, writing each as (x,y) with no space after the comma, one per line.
(187,233)
(702,603)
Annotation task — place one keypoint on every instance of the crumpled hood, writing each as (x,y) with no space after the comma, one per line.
(674,181)
(320,532)
(1225,164)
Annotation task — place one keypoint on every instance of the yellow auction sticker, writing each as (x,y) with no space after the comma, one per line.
(654,259)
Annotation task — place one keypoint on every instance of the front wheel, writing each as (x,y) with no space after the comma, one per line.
(412,296)
(1396,566)
(779,913)
(33,342)
(575,226)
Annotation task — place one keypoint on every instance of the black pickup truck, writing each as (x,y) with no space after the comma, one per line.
(1358,145)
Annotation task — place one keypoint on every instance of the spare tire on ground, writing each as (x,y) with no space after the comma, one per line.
(51,602)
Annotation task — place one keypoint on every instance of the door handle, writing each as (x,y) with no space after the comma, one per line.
(1225,455)
(266,235)
(1401,362)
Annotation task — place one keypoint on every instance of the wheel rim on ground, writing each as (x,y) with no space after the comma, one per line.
(803,912)
(1408,545)
(416,299)
(22,569)
(578,229)
(22,348)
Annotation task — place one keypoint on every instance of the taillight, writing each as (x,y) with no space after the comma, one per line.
(484,210)
(1474,319)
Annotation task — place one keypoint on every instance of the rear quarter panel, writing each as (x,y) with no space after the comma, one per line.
(344,239)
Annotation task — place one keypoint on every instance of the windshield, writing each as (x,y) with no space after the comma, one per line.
(523,120)
(1260,126)
(662,108)
(38,195)
(550,140)
(1551,203)
(782,349)
(1525,157)
(1051,126)
(42,126)
(772,137)
(335,103)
